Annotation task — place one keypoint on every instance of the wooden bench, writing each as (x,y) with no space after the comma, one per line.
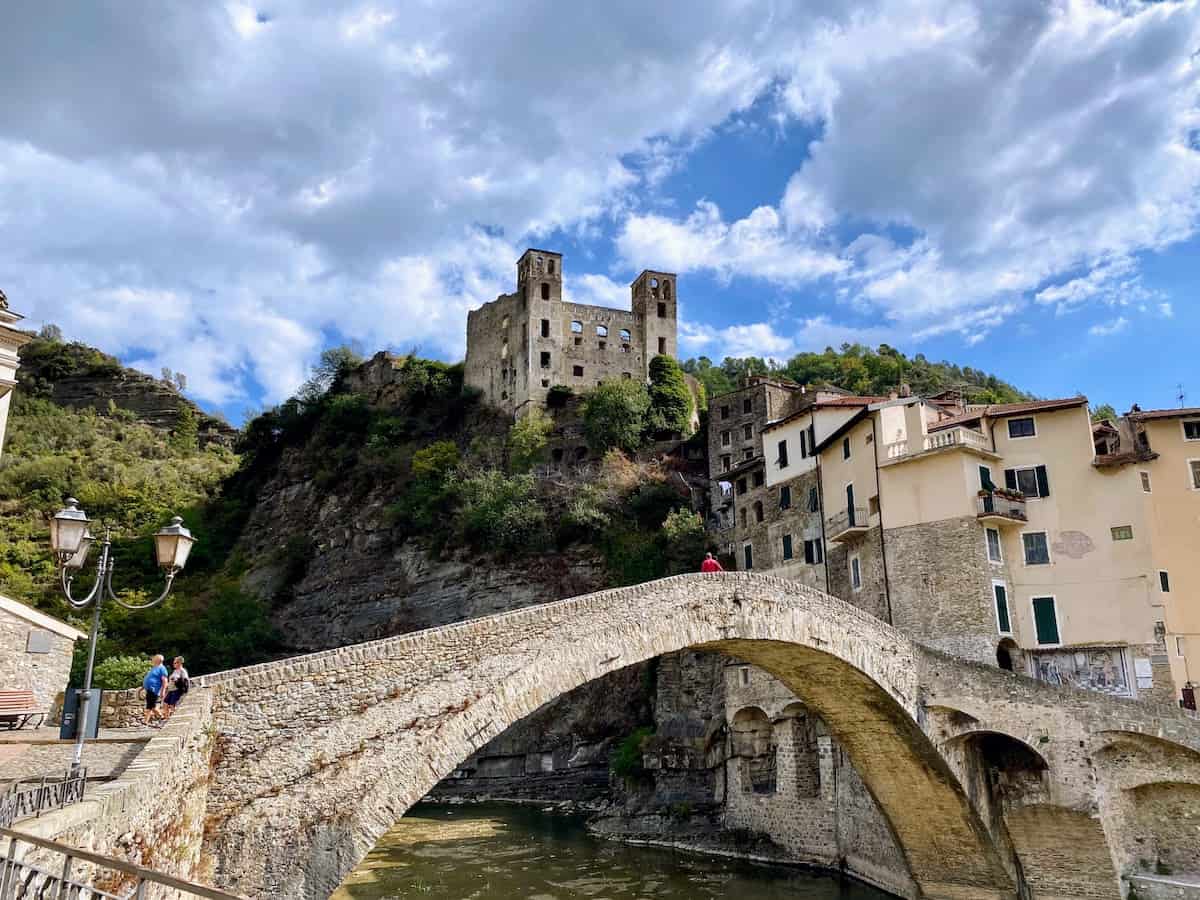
(18,709)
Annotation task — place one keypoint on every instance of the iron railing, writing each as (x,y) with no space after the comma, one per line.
(24,798)
(78,875)
(845,520)
(999,505)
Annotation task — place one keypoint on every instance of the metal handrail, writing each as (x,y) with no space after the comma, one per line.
(19,880)
(17,802)
(843,521)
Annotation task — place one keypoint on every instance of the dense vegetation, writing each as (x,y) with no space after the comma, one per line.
(860,370)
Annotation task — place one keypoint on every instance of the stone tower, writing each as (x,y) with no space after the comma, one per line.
(655,309)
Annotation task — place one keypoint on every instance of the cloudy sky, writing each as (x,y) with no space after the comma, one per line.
(226,189)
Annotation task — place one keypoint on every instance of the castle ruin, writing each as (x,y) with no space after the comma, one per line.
(521,345)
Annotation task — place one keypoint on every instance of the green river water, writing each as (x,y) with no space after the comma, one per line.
(503,852)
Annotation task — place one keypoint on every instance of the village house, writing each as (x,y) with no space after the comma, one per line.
(11,341)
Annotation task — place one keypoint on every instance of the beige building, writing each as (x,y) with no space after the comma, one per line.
(11,341)
(520,345)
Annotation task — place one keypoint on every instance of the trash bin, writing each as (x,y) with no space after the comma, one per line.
(70,714)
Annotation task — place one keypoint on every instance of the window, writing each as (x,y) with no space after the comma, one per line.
(602,344)
(744,675)
(626,336)
(748,555)
(748,454)
(1037,550)
(726,463)
(1022,428)
(1003,619)
(545,360)
(783,455)
(787,546)
(662,310)
(1146,482)
(1194,467)
(814,552)
(1032,481)
(577,371)
(747,432)
(662,346)
(855,573)
(545,328)
(666,288)
(1164,581)
(814,500)
(602,331)
(741,486)
(1045,621)
(744,514)
(545,291)
(1122,532)
(985,478)
(748,405)
(846,448)
(785,497)
(577,327)
(724,412)
(726,437)
(1181,646)
(550,266)
(758,479)
(995,551)
(628,376)
(804,445)
(873,506)
(1191,430)
(578,341)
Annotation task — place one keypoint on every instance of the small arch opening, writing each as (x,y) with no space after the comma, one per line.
(626,335)
(1006,655)
(577,327)
(666,288)
(550,267)
(754,750)
(602,331)
(545,291)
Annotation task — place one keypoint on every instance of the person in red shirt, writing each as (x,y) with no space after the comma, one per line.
(710,565)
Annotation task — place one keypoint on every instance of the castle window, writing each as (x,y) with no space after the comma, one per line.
(545,360)
(662,310)
(624,348)
(550,266)
(504,395)
(545,328)
(504,350)
(504,323)
(578,340)
(758,511)
(602,331)
(545,290)
(577,327)
(577,371)
(787,546)
(603,345)
(626,336)
(627,375)
(546,382)
(662,346)
(666,288)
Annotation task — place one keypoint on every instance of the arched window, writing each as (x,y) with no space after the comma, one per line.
(754,750)
(545,290)
(666,289)
(504,323)
(550,267)
(626,336)
(758,511)
(577,327)
(601,331)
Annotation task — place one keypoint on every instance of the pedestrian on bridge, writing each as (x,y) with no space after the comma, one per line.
(154,685)
(177,685)
(710,564)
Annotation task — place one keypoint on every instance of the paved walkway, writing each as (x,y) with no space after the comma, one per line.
(31,753)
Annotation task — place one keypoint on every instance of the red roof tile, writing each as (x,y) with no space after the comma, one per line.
(1003,410)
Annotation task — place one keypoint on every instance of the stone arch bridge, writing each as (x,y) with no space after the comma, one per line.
(316,757)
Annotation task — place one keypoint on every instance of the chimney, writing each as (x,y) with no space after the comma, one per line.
(905,390)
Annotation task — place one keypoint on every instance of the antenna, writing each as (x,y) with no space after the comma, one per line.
(1181,396)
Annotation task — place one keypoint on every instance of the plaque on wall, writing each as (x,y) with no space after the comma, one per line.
(38,642)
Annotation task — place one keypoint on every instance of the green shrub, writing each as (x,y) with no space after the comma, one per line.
(626,760)
(614,415)
(499,511)
(527,440)
(684,538)
(119,673)
(670,400)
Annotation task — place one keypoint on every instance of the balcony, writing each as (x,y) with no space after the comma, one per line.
(848,524)
(1001,509)
(965,438)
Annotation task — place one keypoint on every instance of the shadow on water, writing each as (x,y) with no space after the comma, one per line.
(503,852)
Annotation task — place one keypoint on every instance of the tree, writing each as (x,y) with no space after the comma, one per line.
(614,415)
(1104,411)
(527,440)
(180,382)
(51,332)
(670,399)
(335,363)
(684,540)
(187,429)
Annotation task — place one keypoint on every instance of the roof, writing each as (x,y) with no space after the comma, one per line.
(40,619)
(1166,413)
(848,402)
(1003,410)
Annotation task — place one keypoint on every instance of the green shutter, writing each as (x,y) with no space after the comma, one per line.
(1043,482)
(1010,479)
(1046,620)
(787,546)
(1002,609)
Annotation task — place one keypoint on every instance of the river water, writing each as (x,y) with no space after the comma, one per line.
(504,852)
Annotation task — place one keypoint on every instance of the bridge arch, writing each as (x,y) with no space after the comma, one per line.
(317,757)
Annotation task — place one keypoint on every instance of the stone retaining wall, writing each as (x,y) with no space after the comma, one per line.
(122,709)
(1146,887)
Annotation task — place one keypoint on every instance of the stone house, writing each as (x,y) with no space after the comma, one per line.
(35,651)
(521,345)
(11,341)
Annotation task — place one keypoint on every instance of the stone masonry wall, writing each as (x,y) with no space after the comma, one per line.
(43,673)
(872,596)
(153,815)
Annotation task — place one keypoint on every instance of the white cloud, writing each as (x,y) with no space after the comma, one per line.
(775,340)
(1107,329)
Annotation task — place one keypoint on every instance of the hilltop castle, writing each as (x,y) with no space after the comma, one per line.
(522,344)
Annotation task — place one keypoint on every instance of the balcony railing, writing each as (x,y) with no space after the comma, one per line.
(847,523)
(1001,507)
(951,437)
(26,798)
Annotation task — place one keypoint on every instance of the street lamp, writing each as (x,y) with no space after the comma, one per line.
(71,540)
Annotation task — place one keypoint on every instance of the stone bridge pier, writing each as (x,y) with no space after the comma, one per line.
(993,786)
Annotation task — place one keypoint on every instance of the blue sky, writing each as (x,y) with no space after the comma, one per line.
(225,189)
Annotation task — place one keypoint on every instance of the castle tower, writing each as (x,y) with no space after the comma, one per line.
(11,341)
(539,284)
(655,308)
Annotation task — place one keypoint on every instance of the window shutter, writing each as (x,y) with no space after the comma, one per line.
(812,439)
(1043,481)
(808,552)
(1002,609)
(1046,621)
(1010,479)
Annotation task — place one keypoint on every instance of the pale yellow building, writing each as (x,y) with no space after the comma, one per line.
(11,341)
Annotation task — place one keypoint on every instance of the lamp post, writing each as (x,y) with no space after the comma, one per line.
(71,540)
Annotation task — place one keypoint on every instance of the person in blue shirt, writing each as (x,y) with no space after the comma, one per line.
(155,684)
